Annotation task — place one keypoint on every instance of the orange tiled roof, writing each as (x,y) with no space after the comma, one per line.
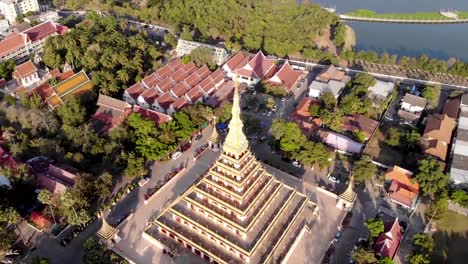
(11,43)
(24,70)
(71,83)
(402,176)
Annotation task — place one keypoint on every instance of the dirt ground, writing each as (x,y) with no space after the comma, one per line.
(380,151)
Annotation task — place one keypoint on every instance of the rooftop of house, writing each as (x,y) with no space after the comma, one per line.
(24,70)
(361,123)
(179,103)
(157,117)
(257,67)
(224,93)
(439,127)
(335,87)
(332,73)
(414,100)
(387,243)
(339,142)
(150,95)
(403,177)
(76,85)
(165,100)
(135,90)
(51,177)
(286,76)
(302,109)
(408,117)
(11,43)
(194,94)
(451,108)
(235,60)
(381,88)
(436,148)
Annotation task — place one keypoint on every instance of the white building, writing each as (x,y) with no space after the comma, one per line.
(317,88)
(380,91)
(413,104)
(459,167)
(185,47)
(11,9)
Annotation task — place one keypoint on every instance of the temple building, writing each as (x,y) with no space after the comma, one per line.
(236,212)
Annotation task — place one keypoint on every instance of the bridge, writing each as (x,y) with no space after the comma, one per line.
(403,21)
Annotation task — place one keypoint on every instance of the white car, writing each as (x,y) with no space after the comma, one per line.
(176,155)
(144,181)
(269,113)
(296,164)
(334,179)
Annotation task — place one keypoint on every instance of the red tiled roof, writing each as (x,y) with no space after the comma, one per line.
(54,72)
(156,116)
(194,94)
(189,68)
(163,72)
(179,76)
(63,76)
(43,90)
(286,76)
(135,90)
(235,60)
(166,84)
(150,80)
(257,67)
(402,176)
(165,100)
(180,89)
(40,220)
(150,95)
(439,127)
(40,31)
(175,64)
(302,109)
(179,103)
(451,108)
(206,85)
(11,43)
(388,242)
(217,77)
(62,29)
(203,71)
(24,70)
(192,79)
(7,160)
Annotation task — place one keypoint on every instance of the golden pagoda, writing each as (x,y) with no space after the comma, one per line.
(236,212)
(348,197)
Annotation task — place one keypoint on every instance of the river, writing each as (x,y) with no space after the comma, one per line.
(439,41)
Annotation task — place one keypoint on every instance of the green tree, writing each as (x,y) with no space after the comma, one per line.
(437,209)
(104,185)
(430,177)
(328,100)
(9,99)
(72,112)
(385,260)
(314,154)
(375,226)
(6,239)
(359,135)
(40,260)
(432,94)
(424,242)
(7,68)
(47,198)
(419,259)
(314,110)
(225,113)
(410,140)
(289,136)
(170,40)
(135,166)
(339,34)
(364,256)
(460,197)
(33,101)
(364,169)
(393,137)
(203,56)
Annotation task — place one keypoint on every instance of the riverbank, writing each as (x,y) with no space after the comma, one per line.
(365,13)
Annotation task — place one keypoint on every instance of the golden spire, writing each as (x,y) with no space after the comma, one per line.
(236,143)
(106,231)
(214,138)
(349,195)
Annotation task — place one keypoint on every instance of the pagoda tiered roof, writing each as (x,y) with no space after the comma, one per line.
(236,212)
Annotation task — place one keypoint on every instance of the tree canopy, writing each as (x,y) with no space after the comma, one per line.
(430,177)
(113,55)
(364,256)
(364,169)
(375,226)
(6,69)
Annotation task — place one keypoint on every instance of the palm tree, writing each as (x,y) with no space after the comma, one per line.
(123,75)
(46,197)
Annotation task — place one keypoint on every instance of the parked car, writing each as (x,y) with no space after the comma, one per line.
(269,113)
(334,179)
(262,138)
(337,236)
(185,146)
(198,137)
(176,155)
(296,164)
(144,181)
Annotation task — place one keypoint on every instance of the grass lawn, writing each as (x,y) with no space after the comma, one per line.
(451,239)
(380,151)
(416,16)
